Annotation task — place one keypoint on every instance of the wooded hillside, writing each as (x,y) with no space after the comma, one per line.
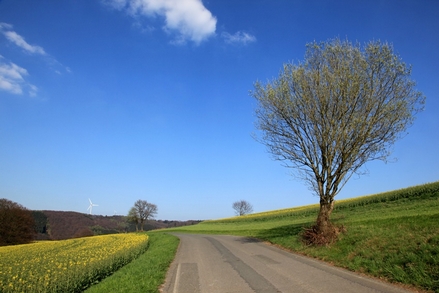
(57,225)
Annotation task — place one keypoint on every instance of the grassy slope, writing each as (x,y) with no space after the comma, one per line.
(394,235)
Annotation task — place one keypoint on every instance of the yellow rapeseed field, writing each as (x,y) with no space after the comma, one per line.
(67,265)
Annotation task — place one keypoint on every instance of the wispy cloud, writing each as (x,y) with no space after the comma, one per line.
(239,37)
(12,79)
(16,39)
(19,41)
(189,20)
(12,76)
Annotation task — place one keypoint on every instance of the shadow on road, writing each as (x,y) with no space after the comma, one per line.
(245,240)
(282,231)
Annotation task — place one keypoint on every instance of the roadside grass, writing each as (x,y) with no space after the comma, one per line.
(392,236)
(146,273)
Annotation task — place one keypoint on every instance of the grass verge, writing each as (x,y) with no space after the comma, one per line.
(392,236)
(146,273)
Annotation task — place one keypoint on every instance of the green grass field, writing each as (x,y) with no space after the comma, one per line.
(393,235)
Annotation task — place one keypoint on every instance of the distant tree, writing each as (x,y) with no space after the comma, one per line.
(141,212)
(242,207)
(343,106)
(17,226)
(133,217)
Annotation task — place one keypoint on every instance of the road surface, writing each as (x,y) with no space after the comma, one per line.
(230,264)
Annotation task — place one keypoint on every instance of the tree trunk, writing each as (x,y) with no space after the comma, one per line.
(323,232)
(323,223)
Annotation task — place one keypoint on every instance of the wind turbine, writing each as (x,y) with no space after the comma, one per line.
(90,207)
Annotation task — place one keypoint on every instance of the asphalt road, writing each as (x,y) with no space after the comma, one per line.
(229,264)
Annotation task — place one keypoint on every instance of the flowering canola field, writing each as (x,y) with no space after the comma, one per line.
(67,265)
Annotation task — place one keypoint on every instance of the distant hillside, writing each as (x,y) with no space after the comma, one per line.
(57,225)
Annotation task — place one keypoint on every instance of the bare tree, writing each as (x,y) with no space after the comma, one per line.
(343,106)
(242,207)
(141,212)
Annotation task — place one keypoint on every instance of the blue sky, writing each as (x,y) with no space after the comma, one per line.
(119,100)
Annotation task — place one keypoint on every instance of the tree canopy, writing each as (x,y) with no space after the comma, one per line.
(242,207)
(343,106)
(17,225)
(141,212)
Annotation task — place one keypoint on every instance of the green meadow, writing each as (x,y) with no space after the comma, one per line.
(393,236)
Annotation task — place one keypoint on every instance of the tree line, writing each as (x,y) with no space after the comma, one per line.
(17,225)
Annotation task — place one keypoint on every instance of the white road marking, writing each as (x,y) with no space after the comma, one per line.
(177,279)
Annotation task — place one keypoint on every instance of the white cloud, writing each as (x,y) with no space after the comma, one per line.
(12,79)
(19,41)
(239,37)
(12,76)
(189,19)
